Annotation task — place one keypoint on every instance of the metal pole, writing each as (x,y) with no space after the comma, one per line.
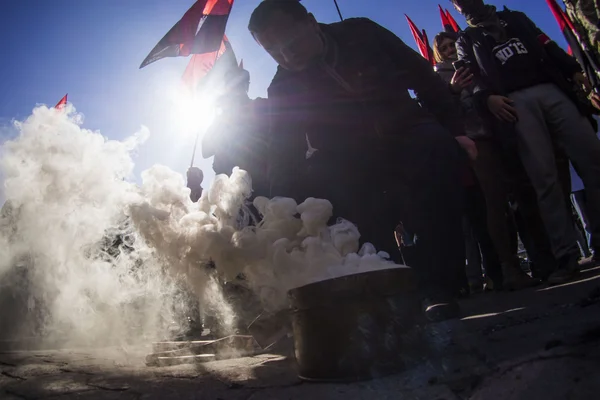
(194,152)
(338,10)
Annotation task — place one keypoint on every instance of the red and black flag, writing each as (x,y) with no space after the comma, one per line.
(217,64)
(61,103)
(199,31)
(448,22)
(201,64)
(421,40)
(579,50)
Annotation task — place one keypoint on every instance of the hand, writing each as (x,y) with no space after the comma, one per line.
(462,79)
(195,173)
(468,145)
(502,108)
(582,81)
(595,99)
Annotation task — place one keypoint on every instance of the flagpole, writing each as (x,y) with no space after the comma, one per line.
(194,93)
(338,10)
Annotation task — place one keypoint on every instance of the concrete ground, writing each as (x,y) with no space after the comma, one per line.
(542,343)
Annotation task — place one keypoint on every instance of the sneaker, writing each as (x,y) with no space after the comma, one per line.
(438,311)
(489,285)
(596,257)
(476,286)
(568,269)
(516,279)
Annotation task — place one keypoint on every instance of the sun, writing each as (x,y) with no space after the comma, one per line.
(192,113)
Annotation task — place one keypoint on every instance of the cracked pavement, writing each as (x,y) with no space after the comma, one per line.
(542,343)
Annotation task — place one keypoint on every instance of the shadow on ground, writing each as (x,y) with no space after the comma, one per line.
(539,343)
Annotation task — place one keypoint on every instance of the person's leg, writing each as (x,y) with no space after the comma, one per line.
(490,260)
(578,200)
(537,154)
(473,252)
(494,184)
(575,134)
(429,160)
(531,229)
(489,171)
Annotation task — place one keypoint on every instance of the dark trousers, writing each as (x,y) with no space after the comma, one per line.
(412,177)
(579,201)
(503,178)
(480,247)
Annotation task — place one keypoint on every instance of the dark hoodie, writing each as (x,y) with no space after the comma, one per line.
(353,98)
(475,46)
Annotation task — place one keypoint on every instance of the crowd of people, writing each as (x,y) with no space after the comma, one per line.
(478,158)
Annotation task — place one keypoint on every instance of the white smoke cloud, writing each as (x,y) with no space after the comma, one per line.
(68,191)
(66,188)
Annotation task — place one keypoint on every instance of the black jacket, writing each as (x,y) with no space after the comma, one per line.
(475,47)
(349,101)
(475,127)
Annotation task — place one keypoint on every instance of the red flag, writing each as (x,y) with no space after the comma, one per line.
(421,40)
(452,21)
(61,103)
(564,23)
(199,31)
(445,22)
(428,48)
(201,64)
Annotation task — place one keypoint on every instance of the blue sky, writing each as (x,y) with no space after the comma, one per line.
(92,49)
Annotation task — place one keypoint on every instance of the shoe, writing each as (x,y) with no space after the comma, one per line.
(568,269)
(441,310)
(488,284)
(596,257)
(476,286)
(516,279)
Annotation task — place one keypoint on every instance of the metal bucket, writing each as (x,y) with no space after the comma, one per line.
(351,328)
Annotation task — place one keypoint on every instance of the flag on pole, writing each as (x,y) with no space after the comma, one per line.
(199,31)
(448,22)
(201,64)
(61,103)
(421,40)
(577,45)
(453,23)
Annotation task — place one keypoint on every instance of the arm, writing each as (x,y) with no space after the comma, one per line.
(464,51)
(567,64)
(421,78)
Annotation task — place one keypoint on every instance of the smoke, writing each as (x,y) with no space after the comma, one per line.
(98,260)
(66,194)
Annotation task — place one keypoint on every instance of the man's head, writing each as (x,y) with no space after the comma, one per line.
(468,6)
(194,177)
(288,32)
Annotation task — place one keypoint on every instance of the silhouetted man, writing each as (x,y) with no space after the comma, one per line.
(380,158)
(195,176)
(236,138)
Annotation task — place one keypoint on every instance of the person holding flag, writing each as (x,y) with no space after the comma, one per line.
(236,137)
(524,83)
(344,88)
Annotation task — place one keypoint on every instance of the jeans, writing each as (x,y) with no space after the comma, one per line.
(547,116)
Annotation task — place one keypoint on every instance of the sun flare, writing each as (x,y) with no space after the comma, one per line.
(192,113)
